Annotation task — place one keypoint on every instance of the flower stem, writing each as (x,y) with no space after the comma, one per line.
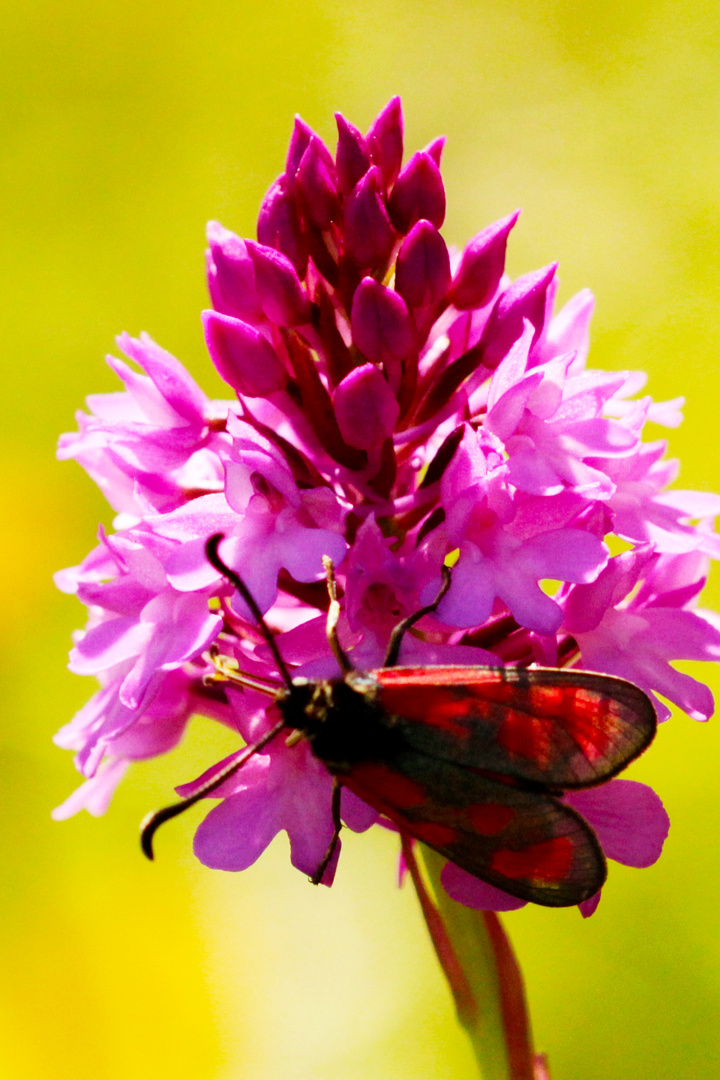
(462,992)
(483,974)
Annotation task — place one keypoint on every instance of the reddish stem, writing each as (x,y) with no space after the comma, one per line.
(465,1001)
(513,1004)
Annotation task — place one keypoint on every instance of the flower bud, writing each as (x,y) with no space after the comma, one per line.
(381,326)
(435,149)
(299,141)
(279,291)
(316,183)
(526,298)
(369,236)
(353,157)
(418,193)
(482,265)
(422,271)
(366,408)
(243,357)
(279,225)
(230,274)
(385,140)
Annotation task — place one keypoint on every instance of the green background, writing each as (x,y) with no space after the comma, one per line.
(125,126)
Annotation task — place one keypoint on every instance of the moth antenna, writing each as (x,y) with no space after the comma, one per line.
(227,670)
(393,651)
(213,556)
(150,824)
(332,618)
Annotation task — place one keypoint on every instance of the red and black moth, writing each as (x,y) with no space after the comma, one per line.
(472,761)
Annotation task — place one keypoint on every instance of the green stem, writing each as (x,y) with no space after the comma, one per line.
(484,977)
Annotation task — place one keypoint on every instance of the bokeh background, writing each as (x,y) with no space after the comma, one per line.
(125,126)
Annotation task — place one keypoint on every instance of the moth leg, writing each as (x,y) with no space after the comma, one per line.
(333,616)
(393,651)
(337,826)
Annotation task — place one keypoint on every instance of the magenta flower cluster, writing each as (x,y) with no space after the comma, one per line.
(397,402)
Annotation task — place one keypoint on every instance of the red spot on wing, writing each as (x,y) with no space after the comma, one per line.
(537,716)
(548,861)
(396,796)
(592,725)
(435,834)
(585,715)
(488,819)
(381,786)
(429,704)
(526,736)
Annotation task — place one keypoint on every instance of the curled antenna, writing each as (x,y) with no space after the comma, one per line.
(152,822)
(211,550)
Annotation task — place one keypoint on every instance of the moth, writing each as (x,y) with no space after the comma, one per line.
(471,760)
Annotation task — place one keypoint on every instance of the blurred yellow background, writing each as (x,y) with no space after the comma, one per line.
(125,126)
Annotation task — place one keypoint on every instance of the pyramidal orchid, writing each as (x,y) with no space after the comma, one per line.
(394,404)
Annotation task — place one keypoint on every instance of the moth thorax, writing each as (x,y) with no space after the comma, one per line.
(305,705)
(339,720)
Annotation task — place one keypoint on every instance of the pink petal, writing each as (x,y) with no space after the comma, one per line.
(95,794)
(356,814)
(589,907)
(476,894)
(629,818)
(171,379)
(108,644)
(235,833)
(564,555)
(301,551)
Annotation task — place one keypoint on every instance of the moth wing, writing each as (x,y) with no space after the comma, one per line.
(525,842)
(559,728)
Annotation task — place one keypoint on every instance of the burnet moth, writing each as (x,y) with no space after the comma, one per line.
(472,761)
